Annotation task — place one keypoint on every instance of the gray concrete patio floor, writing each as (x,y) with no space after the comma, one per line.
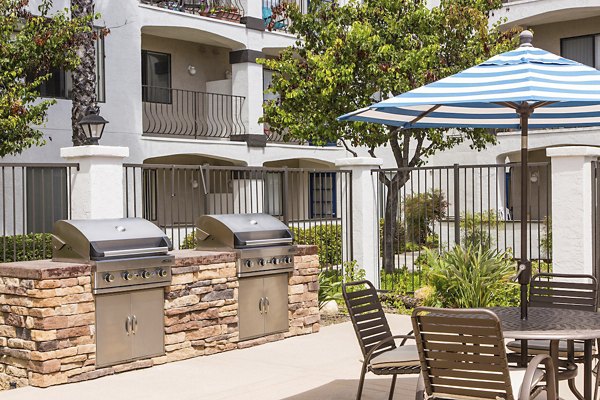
(320,366)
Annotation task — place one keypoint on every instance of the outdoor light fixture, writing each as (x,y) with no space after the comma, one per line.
(191,70)
(535,176)
(92,125)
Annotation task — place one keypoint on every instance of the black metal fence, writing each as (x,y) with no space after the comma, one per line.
(315,204)
(178,112)
(227,10)
(439,207)
(32,198)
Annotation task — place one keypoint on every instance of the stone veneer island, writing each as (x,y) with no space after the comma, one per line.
(47,315)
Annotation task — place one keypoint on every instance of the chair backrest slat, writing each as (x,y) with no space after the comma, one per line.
(574,292)
(462,353)
(366,313)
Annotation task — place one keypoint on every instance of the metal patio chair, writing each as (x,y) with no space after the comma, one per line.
(568,291)
(379,350)
(463,356)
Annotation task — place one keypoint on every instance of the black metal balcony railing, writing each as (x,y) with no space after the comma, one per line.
(227,10)
(187,113)
(273,13)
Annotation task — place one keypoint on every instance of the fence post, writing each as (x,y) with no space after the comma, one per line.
(284,196)
(572,239)
(365,226)
(97,185)
(456,204)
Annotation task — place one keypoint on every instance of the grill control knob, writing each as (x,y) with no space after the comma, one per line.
(109,278)
(288,260)
(261,262)
(146,274)
(275,260)
(248,263)
(127,275)
(163,273)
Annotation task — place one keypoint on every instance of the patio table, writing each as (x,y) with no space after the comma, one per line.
(555,324)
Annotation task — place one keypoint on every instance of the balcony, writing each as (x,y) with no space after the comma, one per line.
(191,114)
(226,10)
(273,13)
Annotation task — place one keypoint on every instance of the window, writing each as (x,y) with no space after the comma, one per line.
(47,199)
(584,49)
(60,84)
(156,77)
(322,195)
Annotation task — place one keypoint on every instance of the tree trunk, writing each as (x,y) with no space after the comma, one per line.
(84,75)
(390,219)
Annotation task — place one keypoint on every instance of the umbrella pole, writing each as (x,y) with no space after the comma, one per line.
(524,264)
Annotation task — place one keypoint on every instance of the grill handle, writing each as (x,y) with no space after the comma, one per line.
(133,252)
(265,242)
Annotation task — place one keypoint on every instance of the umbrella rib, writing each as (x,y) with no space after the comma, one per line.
(424,114)
(542,104)
(508,104)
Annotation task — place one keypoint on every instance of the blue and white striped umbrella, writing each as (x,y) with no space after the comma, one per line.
(520,89)
(561,93)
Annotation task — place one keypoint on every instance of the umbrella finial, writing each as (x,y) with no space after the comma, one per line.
(525,39)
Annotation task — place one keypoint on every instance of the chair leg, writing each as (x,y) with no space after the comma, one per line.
(361,382)
(597,381)
(392,387)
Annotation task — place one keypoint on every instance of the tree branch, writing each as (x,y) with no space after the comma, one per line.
(355,154)
(418,151)
(396,149)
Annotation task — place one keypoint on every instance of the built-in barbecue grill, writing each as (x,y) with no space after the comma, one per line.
(130,268)
(265,255)
(262,242)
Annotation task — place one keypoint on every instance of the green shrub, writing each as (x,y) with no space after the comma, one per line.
(33,246)
(471,276)
(330,287)
(477,227)
(189,241)
(327,237)
(420,211)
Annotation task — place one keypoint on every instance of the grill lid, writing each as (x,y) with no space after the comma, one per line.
(238,231)
(95,239)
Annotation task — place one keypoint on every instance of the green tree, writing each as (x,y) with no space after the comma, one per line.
(32,44)
(347,57)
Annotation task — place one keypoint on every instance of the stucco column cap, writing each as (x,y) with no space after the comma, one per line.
(573,151)
(358,161)
(94,151)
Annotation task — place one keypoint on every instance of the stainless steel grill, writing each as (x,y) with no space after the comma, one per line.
(265,256)
(263,243)
(130,268)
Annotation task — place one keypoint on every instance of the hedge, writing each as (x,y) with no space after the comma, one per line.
(33,246)
(327,237)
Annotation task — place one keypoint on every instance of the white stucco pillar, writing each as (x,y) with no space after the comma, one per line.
(247,81)
(572,246)
(365,227)
(97,187)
